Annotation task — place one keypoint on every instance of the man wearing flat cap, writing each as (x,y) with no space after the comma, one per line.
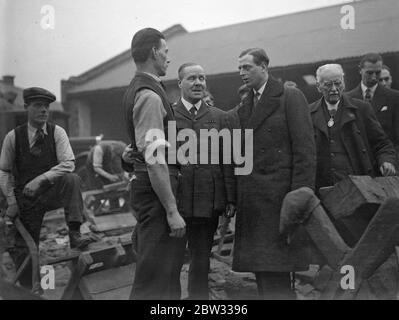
(36,165)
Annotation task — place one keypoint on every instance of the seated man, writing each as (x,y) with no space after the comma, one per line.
(36,165)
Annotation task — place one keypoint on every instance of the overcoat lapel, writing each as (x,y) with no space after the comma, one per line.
(267,105)
(318,117)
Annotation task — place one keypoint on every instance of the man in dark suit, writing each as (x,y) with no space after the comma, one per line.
(206,190)
(385,101)
(284,159)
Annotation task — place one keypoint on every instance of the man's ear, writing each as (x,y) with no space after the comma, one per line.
(318,86)
(154,53)
(179,83)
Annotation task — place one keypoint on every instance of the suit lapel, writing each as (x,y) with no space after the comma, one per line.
(244,112)
(378,99)
(268,103)
(358,93)
(319,120)
(203,110)
(181,109)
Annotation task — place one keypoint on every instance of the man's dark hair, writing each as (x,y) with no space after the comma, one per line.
(258,54)
(384,66)
(183,66)
(143,42)
(370,57)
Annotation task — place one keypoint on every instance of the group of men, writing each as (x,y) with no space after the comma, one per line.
(178,204)
(294,145)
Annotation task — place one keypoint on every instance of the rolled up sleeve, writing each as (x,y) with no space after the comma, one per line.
(148,114)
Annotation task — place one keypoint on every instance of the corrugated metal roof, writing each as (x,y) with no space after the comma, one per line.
(297,38)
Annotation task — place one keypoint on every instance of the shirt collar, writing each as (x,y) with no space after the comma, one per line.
(332,106)
(364,88)
(261,89)
(33,130)
(188,105)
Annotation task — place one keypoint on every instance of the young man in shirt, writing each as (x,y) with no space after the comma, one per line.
(36,165)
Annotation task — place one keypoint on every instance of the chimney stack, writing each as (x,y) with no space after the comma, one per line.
(9,80)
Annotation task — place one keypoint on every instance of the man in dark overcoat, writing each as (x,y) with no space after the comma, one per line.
(351,141)
(349,138)
(284,159)
(206,190)
(384,101)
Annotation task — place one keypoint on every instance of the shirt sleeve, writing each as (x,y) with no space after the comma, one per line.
(98,157)
(7,158)
(65,156)
(148,114)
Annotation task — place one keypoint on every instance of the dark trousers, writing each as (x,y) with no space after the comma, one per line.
(200,233)
(159,256)
(65,192)
(274,285)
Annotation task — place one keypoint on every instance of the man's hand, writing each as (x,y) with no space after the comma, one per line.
(230,210)
(387,169)
(32,188)
(130,156)
(176,224)
(113,177)
(12,211)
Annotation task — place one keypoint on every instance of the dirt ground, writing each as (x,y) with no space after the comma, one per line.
(223,282)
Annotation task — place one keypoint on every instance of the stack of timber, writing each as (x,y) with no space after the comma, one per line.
(111,220)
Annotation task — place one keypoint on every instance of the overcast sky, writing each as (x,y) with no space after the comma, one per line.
(88,32)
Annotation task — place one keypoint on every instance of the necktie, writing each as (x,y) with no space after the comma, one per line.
(36,149)
(193,111)
(256,98)
(367,96)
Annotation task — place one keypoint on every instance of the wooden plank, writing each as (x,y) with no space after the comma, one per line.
(349,194)
(33,253)
(77,271)
(110,284)
(112,222)
(301,206)
(325,237)
(374,247)
(390,185)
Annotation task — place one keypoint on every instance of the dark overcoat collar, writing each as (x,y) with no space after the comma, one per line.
(319,121)
(268,103)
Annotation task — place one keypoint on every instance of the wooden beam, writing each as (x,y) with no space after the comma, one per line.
(349,194)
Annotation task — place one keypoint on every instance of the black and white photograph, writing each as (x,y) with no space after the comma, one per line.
(198,157)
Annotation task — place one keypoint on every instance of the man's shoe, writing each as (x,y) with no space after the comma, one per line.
(79,241)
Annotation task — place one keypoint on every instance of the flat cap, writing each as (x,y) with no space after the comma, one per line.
(36,93)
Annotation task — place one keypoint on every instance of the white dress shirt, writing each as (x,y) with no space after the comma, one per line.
(364,88)
(189,105)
